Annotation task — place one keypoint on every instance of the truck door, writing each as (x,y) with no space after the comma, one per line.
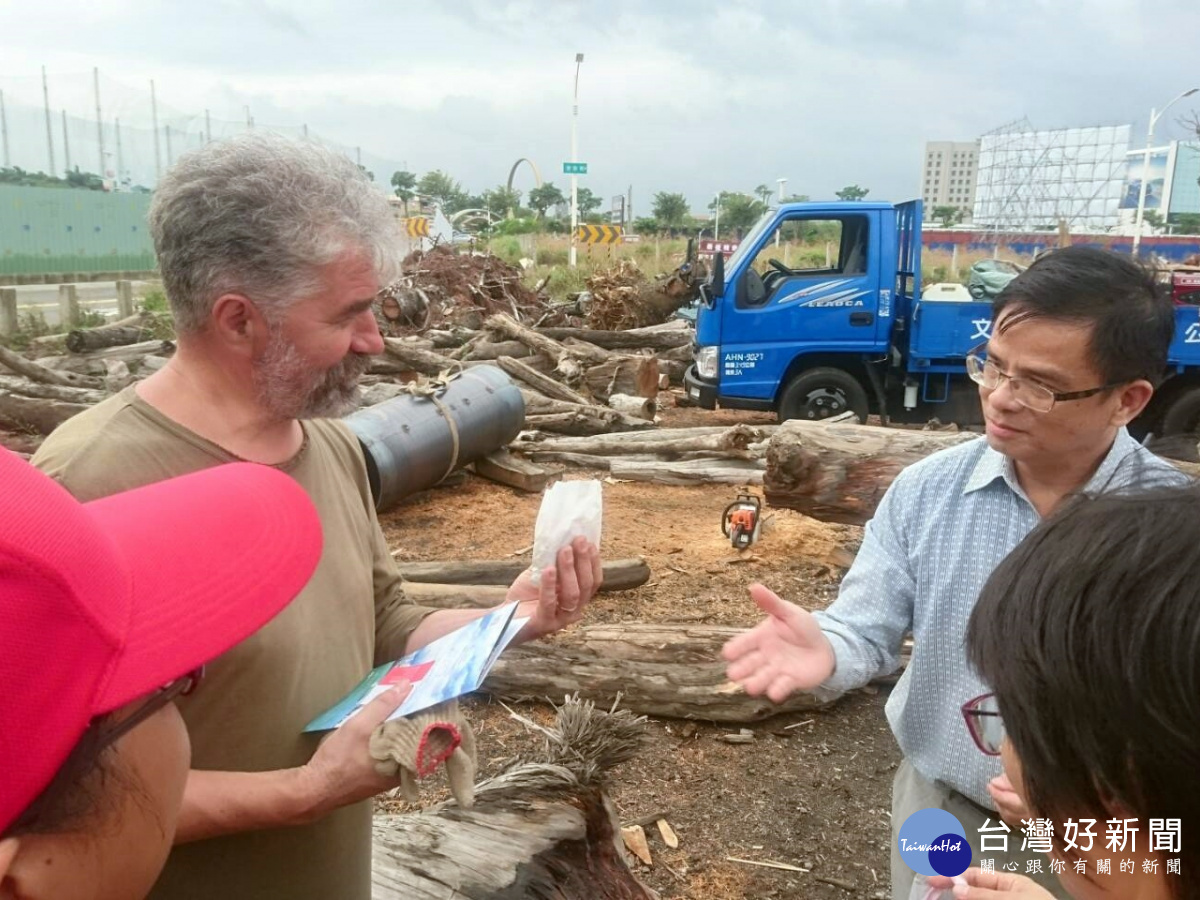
(811,286)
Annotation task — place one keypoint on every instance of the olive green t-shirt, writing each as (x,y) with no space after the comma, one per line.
(249,713)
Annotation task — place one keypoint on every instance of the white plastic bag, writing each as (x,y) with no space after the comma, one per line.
(569,509)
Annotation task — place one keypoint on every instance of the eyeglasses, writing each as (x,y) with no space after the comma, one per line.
(180,687)
(1029,394)
(982,715)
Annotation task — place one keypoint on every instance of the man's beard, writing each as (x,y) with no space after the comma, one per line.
(289,387)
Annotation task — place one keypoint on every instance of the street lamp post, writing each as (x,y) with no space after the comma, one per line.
(575,158)
(1154,117)
(717,220)
(782,182)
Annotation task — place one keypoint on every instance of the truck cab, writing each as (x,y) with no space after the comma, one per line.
(820,312)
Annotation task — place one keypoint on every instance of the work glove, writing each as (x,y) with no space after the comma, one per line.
(414,746)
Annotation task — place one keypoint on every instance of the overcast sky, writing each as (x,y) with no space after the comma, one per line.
(692,96)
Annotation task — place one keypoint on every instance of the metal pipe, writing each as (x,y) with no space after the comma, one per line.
(412,441)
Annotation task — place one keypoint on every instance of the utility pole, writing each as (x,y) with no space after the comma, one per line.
(120,156)
(154,117)
(575,158)
(207,128)
(4,130)
(66,142)
(167,129)
(99,121)
(49,126)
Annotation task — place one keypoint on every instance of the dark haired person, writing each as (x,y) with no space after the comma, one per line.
(1079,341)
(1089,635)
(109,611)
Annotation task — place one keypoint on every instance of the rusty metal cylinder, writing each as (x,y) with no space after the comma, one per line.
(413,441)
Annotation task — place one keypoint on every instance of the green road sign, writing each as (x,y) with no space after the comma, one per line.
(574,168)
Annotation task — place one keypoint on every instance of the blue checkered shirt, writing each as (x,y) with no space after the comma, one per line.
(944,524)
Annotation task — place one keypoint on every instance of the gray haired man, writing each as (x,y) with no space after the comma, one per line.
(272,253)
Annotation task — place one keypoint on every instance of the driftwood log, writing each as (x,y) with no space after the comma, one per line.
(21,413)
(633,339)
(542,830)
(582,421)
(569,360)
(37,372)
(455,596)
(543,383)
(663,670)
(82,340)
(619,574)
(27,388)
(839,473)
(735,441)
(418,359)
(689,471)
(608,419)
(636,376)
(495,349)
(638,407)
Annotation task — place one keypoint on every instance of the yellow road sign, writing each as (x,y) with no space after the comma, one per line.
(417,227)
(599,234)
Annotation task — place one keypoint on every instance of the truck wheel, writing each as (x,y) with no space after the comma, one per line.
(1183,417)
(821,394)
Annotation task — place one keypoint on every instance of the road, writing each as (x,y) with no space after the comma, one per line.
(94,296)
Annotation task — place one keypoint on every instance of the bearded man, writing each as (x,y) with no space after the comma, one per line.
(272,253)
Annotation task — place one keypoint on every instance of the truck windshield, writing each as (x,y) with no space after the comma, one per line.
(750,240)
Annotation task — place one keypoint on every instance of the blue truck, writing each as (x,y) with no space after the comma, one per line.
(846,329)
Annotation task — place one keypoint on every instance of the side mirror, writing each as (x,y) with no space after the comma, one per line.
(718,274)
(691,251)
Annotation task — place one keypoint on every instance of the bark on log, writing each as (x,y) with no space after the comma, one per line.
(638,407)
(622,340)
(84,340)
(538,381)
(455,596)
(36,372)
(636,376)
(690,471)
(417,359)
(567,358)
(661,670)
(735,439)
(619,574)
(42,416)
(839,473)
(582,422)
(50,391)
(496,349)
(542,829)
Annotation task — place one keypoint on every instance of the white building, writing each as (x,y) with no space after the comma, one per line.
(949,176)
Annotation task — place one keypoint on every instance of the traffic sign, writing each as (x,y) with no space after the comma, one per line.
(574,168)
(417,227)
(709,247)
(599,234)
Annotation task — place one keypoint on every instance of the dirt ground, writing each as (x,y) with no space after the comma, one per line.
(815,794)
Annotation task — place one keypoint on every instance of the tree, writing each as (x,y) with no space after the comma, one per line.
(443,189)
(502,200)
(947,215)
(740,211)
(797,198)
(588,202)
(853,192)
(404,183)
(545,196)
(763,193)
(1186,223)
(670,209)
(1154,219)
(366,171)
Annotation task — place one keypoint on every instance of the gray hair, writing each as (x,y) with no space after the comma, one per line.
(259,214)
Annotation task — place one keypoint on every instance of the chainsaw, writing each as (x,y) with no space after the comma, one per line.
(741,521)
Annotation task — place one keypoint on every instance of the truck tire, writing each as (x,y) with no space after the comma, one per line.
(821,394)
(1183,416)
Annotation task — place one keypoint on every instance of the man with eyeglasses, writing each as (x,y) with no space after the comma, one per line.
(1079,342)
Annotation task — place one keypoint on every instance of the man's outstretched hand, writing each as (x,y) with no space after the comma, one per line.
(785,652)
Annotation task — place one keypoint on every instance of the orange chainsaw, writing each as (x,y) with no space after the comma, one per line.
(741,521)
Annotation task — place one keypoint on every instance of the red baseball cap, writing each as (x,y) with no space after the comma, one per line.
(105,602)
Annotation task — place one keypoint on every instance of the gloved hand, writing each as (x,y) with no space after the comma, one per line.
(413,747)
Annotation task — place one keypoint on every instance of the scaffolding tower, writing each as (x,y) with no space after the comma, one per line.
(1031,180)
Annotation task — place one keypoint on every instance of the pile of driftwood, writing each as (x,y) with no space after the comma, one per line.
(76,370)
(622,297)
(442,287)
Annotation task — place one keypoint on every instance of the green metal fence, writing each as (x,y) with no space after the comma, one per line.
(57,230)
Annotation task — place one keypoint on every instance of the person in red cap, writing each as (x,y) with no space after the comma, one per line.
(273,253)
(110,610)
